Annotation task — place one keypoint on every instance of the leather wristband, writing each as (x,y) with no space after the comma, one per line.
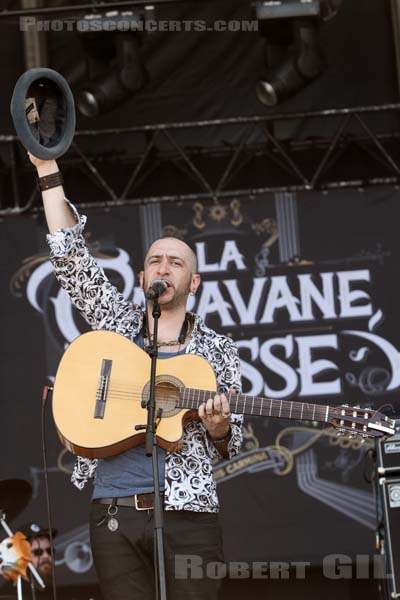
(49,181)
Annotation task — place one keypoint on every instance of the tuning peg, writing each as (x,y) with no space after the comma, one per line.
(340,432)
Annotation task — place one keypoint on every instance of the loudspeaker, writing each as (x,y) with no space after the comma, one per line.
(78,557)
(388,455)
(389,500)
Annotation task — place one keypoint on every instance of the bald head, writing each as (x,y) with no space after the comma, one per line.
(174,245)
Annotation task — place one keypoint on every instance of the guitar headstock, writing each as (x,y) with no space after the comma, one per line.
(364,422)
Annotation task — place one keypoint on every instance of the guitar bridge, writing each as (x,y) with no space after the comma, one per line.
(102,388)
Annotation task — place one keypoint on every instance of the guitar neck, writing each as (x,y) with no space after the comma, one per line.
(258,406)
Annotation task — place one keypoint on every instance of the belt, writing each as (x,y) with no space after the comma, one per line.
(138,501)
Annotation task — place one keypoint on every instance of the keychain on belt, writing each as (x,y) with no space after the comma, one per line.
(112,510)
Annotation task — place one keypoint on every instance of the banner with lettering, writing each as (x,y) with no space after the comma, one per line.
(306,286)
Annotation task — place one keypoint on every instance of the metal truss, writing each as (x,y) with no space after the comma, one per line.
(78,7)
(222,158)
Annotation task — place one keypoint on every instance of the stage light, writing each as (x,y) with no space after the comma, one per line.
(114,68)
(287,9)
(303,63)
(292,52)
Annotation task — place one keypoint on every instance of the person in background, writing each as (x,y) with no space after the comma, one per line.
(42,556)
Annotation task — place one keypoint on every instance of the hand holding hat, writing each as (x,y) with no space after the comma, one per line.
(43,111)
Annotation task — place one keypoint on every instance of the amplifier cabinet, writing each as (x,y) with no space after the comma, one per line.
(389,491)
(388,455)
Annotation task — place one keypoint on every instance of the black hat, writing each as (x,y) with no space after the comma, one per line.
(43,111)
(34,530)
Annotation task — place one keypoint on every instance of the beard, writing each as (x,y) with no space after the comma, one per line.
(45,571)
(180,296)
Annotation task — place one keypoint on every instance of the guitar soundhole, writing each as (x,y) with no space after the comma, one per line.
(167,395)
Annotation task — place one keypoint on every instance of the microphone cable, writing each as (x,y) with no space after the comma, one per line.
(45,395)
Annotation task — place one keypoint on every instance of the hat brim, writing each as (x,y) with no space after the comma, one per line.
(65,126)
(44,533)
(41,532)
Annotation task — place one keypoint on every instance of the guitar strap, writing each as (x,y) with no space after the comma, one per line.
(184,330)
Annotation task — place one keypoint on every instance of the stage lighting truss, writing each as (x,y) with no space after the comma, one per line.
(351,152)
(59,7)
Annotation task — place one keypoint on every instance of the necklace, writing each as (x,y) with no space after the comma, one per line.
(177,342)
(184,335)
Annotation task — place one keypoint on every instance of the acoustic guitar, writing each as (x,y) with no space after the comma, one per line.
(102,388)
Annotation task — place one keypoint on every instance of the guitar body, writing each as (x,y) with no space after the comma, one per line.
(81,392)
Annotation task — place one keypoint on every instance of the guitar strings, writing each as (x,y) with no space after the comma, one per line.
(258,409)
(137,393)
(256,406)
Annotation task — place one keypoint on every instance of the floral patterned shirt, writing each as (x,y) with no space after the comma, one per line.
(189,482)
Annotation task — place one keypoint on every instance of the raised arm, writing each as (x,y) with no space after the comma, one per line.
(99,302)
(58,214)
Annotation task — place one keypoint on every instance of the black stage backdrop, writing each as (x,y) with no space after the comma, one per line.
(321,328)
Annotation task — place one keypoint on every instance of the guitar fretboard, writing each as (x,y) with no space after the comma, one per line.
(258,406)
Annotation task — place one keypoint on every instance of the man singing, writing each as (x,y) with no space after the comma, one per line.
(124,554)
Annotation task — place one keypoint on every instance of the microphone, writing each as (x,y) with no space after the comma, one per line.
(156,289)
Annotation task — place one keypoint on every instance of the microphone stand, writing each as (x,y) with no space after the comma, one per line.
(151,450)
(33,588)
